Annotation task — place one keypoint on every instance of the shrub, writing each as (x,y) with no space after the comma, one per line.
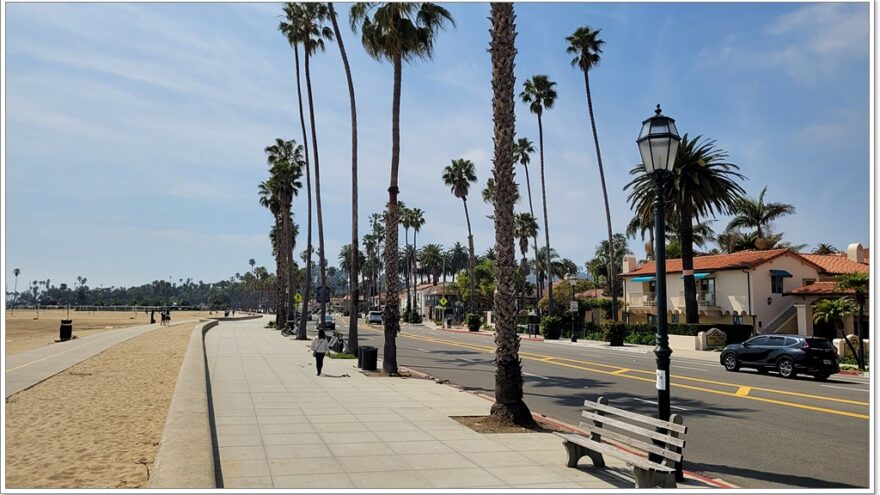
(615,333)
(551,327)
(640,338)
(415,318)
(346,313)
(594,336)
(474,320)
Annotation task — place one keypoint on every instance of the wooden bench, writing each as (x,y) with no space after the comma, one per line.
(662,440)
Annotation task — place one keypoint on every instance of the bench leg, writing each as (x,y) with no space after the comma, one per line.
(653,479)
(575,452)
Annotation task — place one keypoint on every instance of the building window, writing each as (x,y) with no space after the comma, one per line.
(737,319)
(674,317)
(652,319)
(776,284)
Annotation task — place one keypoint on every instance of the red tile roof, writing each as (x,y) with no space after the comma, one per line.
(836,264)
(820,288)
(732,261)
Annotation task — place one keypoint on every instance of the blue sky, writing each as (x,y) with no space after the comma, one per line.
(135,132)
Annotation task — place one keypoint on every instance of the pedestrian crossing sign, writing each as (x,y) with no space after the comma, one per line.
(298,297)
(443,301)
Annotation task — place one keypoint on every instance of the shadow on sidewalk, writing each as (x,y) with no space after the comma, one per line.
(752,474)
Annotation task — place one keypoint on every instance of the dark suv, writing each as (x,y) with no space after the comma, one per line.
(787,354)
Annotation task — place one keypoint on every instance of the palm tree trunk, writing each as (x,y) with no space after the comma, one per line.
(549,271)
(353,279)
(406,272)
(525,272)
(471,274)
(509,403)
(301,331)
(535,237)
(289,305)
(612,271)
(391,319)
(322,262)
(414,268)
(686,238)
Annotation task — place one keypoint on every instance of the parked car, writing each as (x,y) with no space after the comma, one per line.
(329,322)
(787,354)
(374,317)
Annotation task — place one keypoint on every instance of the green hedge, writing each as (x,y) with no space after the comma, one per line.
(643,333)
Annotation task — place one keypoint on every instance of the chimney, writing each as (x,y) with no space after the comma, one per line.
(855,252)
(630,263)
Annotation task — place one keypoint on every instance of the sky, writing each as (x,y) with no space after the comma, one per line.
(134,133)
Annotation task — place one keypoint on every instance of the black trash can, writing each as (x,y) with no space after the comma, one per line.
(66,330)
(367,358)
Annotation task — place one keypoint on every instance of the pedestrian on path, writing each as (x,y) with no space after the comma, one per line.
(319,349)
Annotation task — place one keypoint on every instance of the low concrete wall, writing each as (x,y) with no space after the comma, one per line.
(186,452)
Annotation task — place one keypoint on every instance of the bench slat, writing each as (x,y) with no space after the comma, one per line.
(638,417)
(670,440)
(632,442)
(615,452)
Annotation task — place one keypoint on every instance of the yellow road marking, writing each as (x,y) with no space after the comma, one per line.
(619,372)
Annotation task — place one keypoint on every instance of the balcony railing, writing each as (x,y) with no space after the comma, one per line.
(704,299)
(643,299)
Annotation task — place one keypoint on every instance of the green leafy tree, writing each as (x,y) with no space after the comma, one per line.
(836,311)
(398,33)
(540,93)
(859,284)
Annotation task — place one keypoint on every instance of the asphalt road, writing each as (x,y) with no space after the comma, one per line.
(755,431)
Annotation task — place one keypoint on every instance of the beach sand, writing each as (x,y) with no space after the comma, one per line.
(98,424)
(28,329)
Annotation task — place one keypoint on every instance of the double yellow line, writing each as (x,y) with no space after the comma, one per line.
(740,391)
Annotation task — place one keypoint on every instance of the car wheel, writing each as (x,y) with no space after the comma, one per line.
(821,376)
(785,367)
(731,363)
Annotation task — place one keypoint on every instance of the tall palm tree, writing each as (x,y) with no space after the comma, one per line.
(291,27)
(586,46)
(702,185)
(406,223)
(509,402)
(431,257)
(458,176)
(352,342)
(15,272)
(417,221)
(525,227)
(758,214)
(396,32)
(522,150)
(540,93)
(858,283)
(313,31)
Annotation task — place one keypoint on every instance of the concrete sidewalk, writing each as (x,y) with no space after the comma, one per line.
(278,425)
(29,368)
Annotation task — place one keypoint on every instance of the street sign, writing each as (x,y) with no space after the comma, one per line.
(322,294)
(443,301)
(298,297)
(573,306)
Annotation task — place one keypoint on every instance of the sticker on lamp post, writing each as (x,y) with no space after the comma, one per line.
(573,306)
(661,380)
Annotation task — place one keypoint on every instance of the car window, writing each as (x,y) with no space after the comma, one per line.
(757,341)
(790,342)
(776,341)
(820,343)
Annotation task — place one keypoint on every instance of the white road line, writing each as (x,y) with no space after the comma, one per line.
(655,403)
(422,350)
(689,368)
(847,388)
(536,376)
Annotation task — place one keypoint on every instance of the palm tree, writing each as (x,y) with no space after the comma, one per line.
(431,257)
(836,311)
(406,223)
(352,342)
(540,94)
(525,227)
(824,248)
(600,264)
(396,32)
(15,272)
(489,193)
(702,185)
(509,403)
(543,263)
(291,28)
(858,283)
(458,176)
(417,221)
(522,150)
(756,214)
(458,257)
(586,46)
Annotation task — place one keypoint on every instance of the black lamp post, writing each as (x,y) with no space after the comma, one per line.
(572,280)
(658,144)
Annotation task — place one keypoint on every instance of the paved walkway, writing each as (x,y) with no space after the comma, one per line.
(29,368)
(278,425)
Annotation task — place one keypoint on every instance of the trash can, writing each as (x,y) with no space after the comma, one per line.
(66,330)
(367,358)
(448,322)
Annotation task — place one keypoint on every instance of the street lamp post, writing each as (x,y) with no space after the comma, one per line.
(572,280)
(658,144)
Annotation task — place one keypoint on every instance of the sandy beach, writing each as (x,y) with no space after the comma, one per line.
(28,329)
(99,423)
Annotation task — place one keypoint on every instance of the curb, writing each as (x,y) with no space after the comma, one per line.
(186,452)
(487,334)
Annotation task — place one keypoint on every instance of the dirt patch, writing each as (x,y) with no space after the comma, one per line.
(98,424)
(492,424)
(28,329)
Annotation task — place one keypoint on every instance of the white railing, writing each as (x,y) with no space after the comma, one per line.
(643,299)
(704,299)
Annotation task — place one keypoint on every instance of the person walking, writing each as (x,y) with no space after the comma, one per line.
(319,349)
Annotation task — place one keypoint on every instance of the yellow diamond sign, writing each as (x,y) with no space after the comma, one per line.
(298,297)
(443,301)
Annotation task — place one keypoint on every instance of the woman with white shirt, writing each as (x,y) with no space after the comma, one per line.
(319,349)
